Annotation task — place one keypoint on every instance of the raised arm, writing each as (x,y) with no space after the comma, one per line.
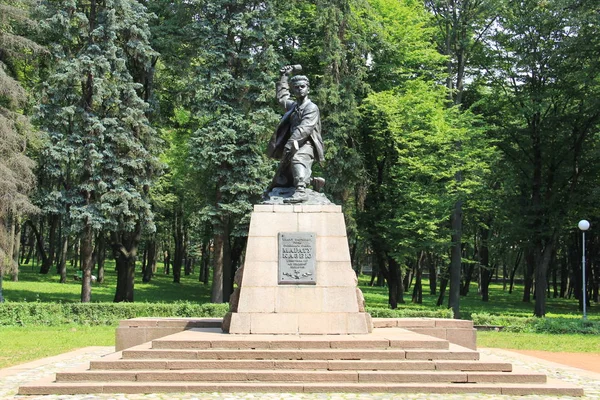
(283,88)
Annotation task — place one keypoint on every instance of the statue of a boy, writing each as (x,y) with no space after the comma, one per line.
(297,141)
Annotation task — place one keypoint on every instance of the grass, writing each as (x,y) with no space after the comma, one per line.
(539,341)
(500,302)
(22,344)
(33,286)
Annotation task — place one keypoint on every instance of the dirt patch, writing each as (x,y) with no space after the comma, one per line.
(587,361)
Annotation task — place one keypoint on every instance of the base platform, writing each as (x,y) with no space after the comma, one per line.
(391,360)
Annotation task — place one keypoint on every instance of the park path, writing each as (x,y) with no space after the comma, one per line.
(587,361)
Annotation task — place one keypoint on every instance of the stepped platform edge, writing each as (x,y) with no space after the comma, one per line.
(135,331)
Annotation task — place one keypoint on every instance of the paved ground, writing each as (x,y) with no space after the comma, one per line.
(587,361)
(11,378)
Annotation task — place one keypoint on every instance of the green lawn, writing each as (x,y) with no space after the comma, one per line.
(500,302)
(539,341)
(33,286)
(22,344)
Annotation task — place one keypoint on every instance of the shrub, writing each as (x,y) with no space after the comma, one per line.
(538,325)
(100,313)
(409,313)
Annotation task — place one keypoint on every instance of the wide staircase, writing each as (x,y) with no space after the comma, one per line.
(392,360)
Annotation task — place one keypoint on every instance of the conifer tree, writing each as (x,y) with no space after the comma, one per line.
(16,168)
(99,140)
(234,84)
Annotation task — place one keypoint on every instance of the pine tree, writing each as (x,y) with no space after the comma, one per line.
(16,168)
(234,87)
(98,157)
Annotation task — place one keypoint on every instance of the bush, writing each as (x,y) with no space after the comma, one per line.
(52,314)
(409,313)
(538,325)
(12,314)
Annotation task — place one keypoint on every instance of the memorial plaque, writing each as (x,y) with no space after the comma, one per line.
(297,258)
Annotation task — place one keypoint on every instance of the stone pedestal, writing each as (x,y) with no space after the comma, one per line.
(331,303)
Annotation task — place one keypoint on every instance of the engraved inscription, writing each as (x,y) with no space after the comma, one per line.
(297,258)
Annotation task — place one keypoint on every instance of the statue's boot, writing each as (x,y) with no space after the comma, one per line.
(298,197)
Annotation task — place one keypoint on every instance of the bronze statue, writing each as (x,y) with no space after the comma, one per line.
(297,142)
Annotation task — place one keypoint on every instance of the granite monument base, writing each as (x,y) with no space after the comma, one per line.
(297,277)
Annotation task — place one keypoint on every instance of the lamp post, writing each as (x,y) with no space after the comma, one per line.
(584,226)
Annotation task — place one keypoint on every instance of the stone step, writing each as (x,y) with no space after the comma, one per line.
(209,361)
(304,355)
(332,365)
(299,376)
(454,352)
(393,338)
(66,388)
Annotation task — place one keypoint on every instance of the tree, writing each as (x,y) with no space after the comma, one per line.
(461,25)
(16,132)
(407,123)
(233,85)
(545,86)
(98,156)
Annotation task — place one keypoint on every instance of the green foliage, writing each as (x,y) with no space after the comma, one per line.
(407,312)
(410,135)
(52,314)
(233,84)
(541,96)
(551,325)
(98,160)
(17,179)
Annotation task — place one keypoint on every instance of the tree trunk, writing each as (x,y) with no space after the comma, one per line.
(432,265)
(555,281)
(393,283)
(30,246)
(145,260)
(443,286)
(205,261)
(529,270)
(467,279)
(1,281)
(187,260)
(10,245)
(455,259)
(54,219)
(125,247)
(87,237)
(150,260)
(62,266)
(417,296)
(101,252)
(564,276)
(227,266)
(518,258)
(167,262)
(239,245)
(543,256)
(217,282)
(178,238)
(410,274)
(17,248)
(40,246)
(484,261)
